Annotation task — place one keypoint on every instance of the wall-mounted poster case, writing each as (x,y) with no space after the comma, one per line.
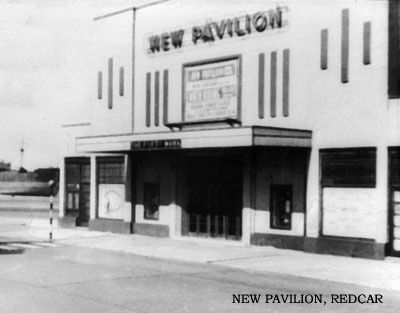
(212,90)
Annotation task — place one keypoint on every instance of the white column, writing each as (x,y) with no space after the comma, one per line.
(93,183)
(248,209)
(61,192)
(382,192)
(313,207)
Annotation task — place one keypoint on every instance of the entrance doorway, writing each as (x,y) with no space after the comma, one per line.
(214,196)
(77,176)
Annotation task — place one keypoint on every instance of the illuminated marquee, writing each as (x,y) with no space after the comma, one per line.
(210,32)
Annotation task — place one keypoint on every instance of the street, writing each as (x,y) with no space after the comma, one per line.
(64,277)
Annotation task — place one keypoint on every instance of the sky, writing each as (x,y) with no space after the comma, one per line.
(44,52)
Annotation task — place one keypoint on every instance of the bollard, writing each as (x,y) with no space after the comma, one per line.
(51,185)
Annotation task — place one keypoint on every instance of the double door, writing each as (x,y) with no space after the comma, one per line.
(77,173)
(214,194)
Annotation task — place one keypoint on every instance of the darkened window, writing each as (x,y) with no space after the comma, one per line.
(151,201)
(394,169)
(394,50)
(110,170)
(72,173)
(281,207)
(354,167)
(77,171)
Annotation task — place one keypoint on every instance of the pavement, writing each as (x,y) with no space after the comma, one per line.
(368,273)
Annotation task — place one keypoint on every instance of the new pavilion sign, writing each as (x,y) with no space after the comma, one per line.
(259,22)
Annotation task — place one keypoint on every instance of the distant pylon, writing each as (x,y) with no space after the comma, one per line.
(22,152)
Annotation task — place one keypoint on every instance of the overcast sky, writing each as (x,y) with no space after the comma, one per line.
(44,48)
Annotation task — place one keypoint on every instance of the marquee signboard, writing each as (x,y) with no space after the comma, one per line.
(156,144)
(211,90)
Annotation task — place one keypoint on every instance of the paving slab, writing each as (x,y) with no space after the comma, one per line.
(371,273)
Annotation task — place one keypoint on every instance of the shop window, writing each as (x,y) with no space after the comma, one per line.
(351,167)
(151,201)
(110,170)
(281,207)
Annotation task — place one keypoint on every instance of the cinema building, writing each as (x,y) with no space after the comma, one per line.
(272,123)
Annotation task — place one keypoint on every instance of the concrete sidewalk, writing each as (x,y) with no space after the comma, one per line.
(370,273)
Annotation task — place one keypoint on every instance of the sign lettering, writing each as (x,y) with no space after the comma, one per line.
(210,32)
(156,144)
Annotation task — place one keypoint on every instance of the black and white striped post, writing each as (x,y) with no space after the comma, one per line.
(51,185)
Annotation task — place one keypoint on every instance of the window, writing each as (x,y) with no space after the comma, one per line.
(110,170)
(151,201)
(281,207)
(394,50)
(351,167)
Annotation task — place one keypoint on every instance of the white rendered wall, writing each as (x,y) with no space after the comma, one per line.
(354,114)
(112,39)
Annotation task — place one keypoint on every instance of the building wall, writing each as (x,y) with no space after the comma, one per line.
(112,114)
(351,112)
(342,99)
(318,100)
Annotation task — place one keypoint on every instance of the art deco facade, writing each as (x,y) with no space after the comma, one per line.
(270,123)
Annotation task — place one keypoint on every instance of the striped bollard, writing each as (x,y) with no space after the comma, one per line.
(51,185)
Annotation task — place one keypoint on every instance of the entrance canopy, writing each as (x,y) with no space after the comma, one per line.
(197,138)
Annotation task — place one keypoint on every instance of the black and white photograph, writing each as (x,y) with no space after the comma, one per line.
(200,156)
